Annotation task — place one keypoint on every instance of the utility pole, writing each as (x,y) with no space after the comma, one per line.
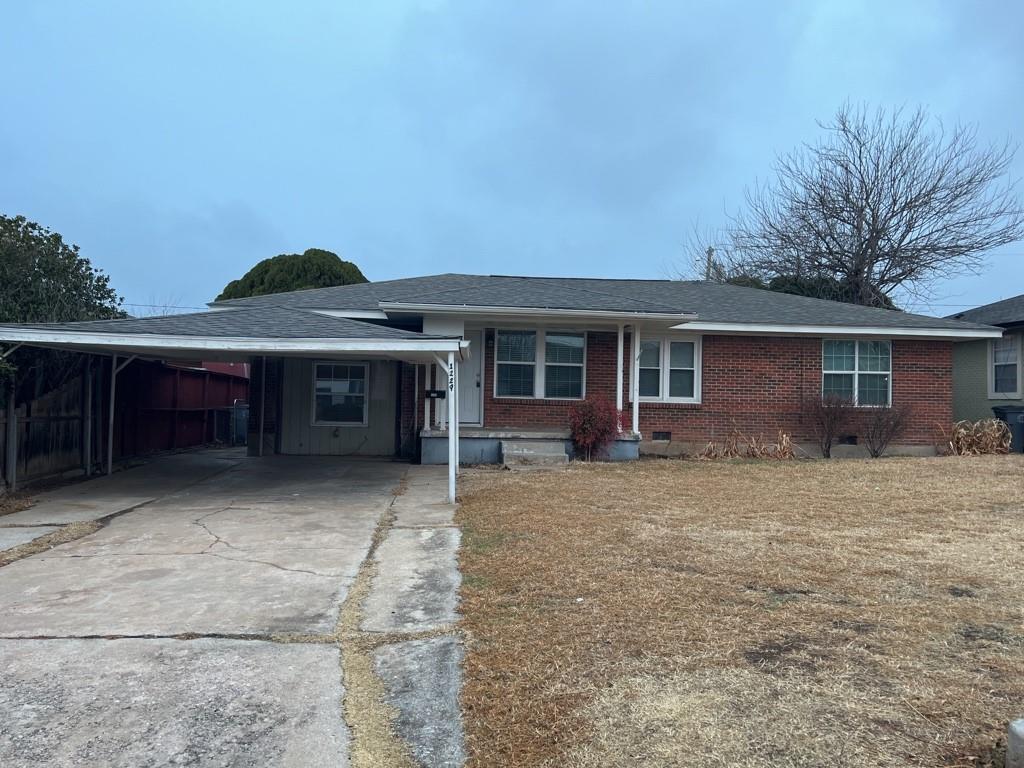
(710,263)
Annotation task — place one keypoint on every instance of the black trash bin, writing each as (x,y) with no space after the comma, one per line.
(1013,415)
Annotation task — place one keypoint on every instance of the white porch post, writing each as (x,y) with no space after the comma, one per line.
(451,439)
(87,420)
(12,438)
(618,375)
(634,375)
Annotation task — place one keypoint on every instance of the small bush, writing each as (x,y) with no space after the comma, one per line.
(976,438)
(883,426)
(827,417)
(593,425)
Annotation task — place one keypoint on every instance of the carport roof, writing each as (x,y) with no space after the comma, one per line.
(241,332)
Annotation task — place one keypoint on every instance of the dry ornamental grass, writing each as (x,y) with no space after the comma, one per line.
(755,613)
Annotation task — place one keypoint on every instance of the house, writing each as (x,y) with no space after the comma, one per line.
(449,367)
(987,372)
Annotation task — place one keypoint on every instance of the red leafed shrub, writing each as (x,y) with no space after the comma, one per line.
(593,424)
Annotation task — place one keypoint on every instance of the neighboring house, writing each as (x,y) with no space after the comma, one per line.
(347,370)
(989,373)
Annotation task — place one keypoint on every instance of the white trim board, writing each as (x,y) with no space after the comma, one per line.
(772,329)
(229,343)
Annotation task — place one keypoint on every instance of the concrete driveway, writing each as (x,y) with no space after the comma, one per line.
(200,625)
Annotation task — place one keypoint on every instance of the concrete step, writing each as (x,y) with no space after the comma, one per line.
(533,454)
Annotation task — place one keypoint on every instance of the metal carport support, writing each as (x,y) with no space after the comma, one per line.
(115,369)
(12,430)
(452,417)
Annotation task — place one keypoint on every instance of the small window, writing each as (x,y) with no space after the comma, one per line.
(650,369)
(339,393)
(516,360)
(681,371)
(669,370)
(858,371)
(563,369)
(1005,367)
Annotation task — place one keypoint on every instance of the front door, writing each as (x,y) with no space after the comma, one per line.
(470,380)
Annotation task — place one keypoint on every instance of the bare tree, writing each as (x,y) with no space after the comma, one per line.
(883,202)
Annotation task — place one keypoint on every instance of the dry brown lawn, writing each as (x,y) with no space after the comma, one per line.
(801,613)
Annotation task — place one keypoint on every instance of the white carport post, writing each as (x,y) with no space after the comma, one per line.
(115,369)
(618,375)
(453,440)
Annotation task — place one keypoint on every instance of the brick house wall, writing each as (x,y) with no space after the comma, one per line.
(752,383)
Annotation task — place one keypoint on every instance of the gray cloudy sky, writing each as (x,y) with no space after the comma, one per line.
(180,142)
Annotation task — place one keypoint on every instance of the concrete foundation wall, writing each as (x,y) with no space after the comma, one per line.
(487,450)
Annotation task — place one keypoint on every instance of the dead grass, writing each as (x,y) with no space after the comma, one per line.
(13,502)
(685,613)
(68,533)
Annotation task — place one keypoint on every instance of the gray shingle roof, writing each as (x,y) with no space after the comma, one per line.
(712,302)
(246,322)
(1006,312)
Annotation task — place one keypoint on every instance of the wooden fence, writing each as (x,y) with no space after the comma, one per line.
(158,407)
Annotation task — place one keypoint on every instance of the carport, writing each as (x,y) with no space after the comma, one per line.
(240,335)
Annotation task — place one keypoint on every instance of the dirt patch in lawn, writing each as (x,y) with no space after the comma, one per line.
(677,613)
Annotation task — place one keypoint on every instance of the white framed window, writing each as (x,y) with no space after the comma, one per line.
(1004,368)
(857,370)
(669,369)
(515,361)
(339,394)
(564,364)
(543,364)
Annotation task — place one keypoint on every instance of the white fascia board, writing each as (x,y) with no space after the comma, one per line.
(597,314)
(771,329)
(227,343)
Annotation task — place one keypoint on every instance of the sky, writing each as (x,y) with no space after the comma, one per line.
(179,143)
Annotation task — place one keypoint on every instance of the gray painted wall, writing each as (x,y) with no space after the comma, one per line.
(970,382)
(299,436)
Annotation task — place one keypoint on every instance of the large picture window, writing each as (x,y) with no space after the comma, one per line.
(669,370)
(540,363)
(1004,374)
(858,371)
(339,393)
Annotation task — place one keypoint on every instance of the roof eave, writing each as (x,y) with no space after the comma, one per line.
(888,332)
(122,342)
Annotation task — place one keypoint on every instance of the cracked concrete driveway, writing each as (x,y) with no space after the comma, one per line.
(198,626)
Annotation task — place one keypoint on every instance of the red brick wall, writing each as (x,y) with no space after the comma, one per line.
(551,414)
(757,384)
(754,384)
